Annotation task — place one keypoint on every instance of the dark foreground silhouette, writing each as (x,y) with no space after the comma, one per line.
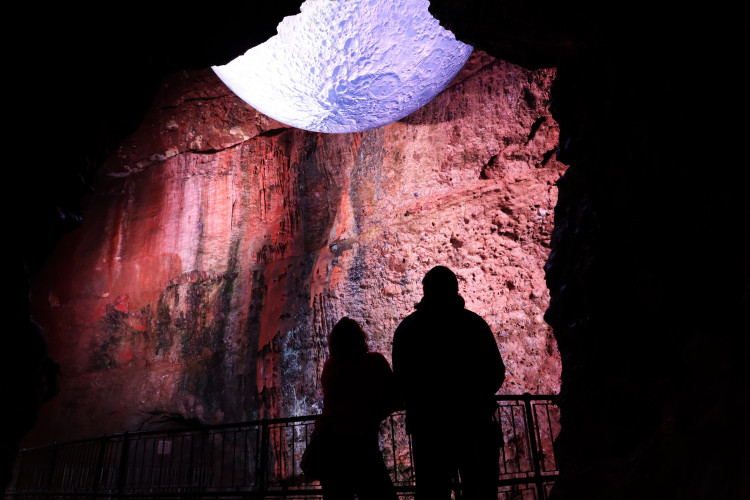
(448,367)
(358,393)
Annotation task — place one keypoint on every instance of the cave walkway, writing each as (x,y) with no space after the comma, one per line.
(260,459)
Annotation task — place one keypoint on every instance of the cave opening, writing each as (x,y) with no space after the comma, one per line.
(347,66)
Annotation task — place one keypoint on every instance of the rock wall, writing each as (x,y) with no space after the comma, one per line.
(220,246)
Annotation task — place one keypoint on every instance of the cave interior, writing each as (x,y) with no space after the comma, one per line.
(649,271)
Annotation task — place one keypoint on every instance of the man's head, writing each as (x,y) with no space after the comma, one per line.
(440,282)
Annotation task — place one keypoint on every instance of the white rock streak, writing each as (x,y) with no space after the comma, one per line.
(346,66)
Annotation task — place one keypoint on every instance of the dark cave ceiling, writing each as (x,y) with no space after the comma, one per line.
(82,79)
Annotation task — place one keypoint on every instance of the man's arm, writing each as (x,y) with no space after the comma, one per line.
(492,362)
(400,364)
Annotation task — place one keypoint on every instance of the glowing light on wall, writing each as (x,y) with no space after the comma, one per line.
(345,66)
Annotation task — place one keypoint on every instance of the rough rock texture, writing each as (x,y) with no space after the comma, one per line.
(649,272)
(676,158)
(220,246)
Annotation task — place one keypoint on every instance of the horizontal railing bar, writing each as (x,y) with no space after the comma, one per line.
(251,423)
(256,459)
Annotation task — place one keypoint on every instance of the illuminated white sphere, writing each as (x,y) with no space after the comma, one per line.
(348,65)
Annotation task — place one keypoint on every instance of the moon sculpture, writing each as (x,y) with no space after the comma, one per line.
(347,66)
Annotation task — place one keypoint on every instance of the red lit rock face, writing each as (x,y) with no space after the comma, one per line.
(221,246)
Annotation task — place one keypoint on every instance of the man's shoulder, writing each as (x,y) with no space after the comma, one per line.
(472,315)
(408,328)
(376,357)
(419,316)
(473,321)
(410,320)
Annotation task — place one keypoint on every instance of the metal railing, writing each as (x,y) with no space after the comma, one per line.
(260,459)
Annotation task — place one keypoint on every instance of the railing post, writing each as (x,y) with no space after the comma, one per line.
(122,474)
(535,455)
(263,462)
(393,447)
(96,483)
(51,472)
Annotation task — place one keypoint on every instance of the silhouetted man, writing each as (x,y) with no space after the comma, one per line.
(448,367)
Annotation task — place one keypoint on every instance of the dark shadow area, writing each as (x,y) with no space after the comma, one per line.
(358,394)
(649,270)
(81,80)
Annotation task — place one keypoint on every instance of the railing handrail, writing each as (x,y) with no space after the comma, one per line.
(195,428)
(265,458)
(254,423)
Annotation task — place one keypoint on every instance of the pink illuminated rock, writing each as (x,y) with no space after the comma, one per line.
(220,246)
